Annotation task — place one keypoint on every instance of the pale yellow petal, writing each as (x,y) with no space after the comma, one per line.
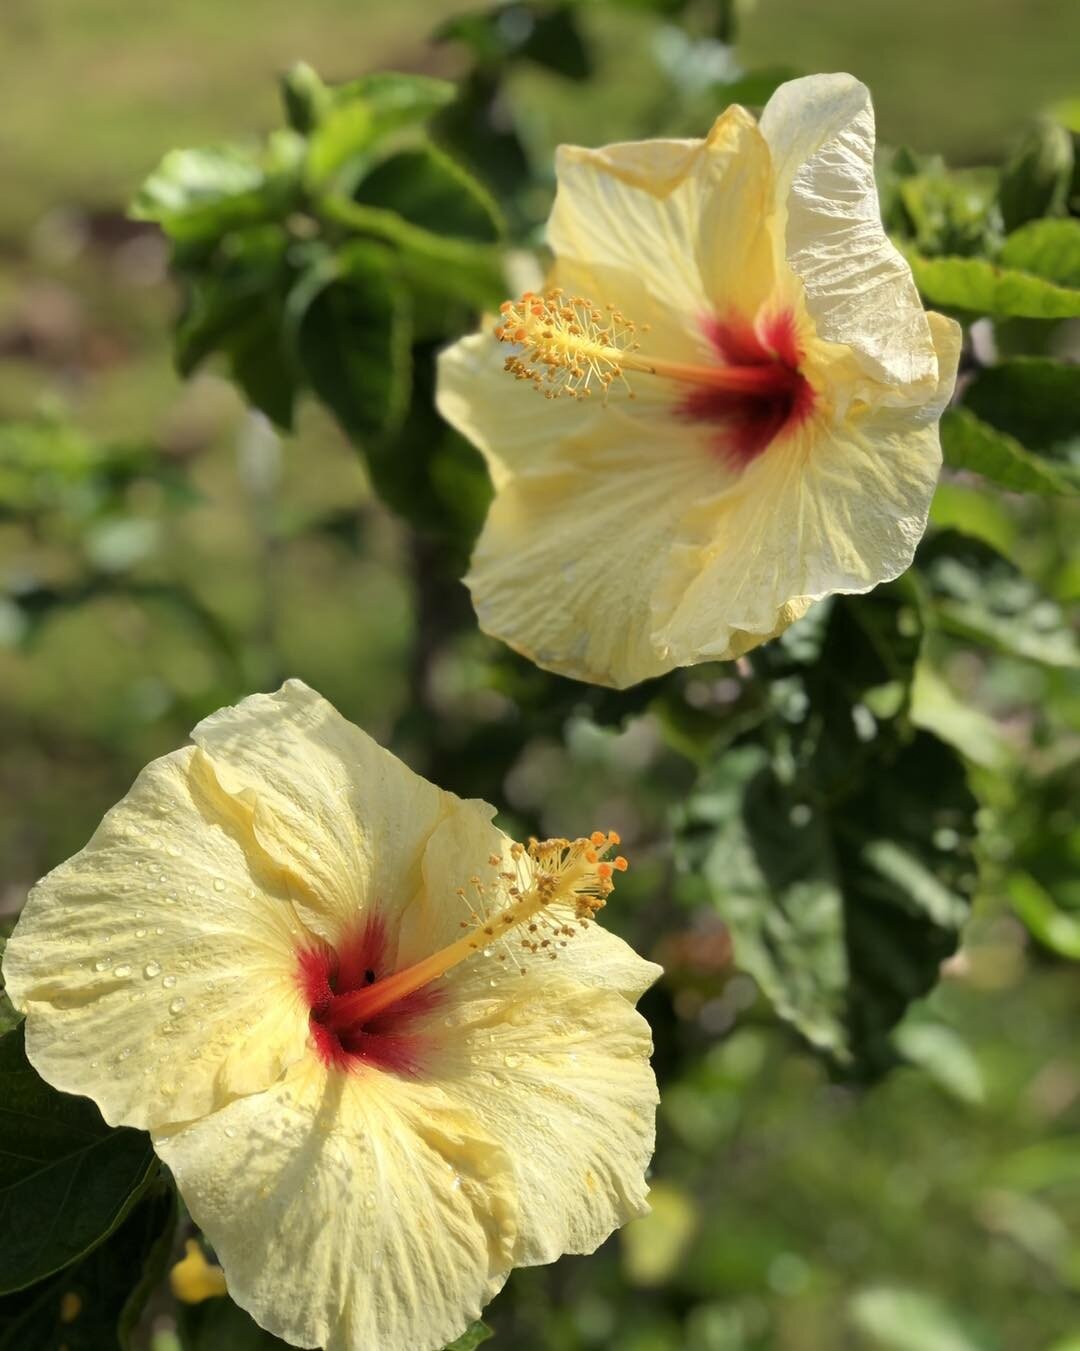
(559,1073)
(351,1211)
(507,420)
(687,218)
(858,288)
(572,552)
(157,967)
(460,849)
(838,507)
(344,820)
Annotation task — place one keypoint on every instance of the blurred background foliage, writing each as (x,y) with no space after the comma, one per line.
(869,1135)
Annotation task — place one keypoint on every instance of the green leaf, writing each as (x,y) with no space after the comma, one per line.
(951,212)
(935,708)
(944,1055)
(66,1179)
(1036,176)
(909,1320)
(96,1304)
(196,195)
(983,287)
(1035,399)
(220,1325)
(397,100)
(471,1338)
(969,443)
(427,188)
(1056,929)
(976,594)
(349,322)
(1046,248)
(838,850)
(973,511)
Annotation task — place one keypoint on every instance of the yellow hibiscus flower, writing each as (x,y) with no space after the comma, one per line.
(383,1048)
(743,392)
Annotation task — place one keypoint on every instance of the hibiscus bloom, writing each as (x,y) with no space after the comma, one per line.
(743,389)
(385,1051)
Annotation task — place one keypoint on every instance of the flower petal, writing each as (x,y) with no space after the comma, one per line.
(346,822)
(858,288)
(684,217)
(559,1074)
(838,508)
(506,421)
(157,966)
(456,852)
(360,1210)
(571,552)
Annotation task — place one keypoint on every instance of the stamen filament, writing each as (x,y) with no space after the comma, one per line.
(571,345)
(360,1005)
(570,872)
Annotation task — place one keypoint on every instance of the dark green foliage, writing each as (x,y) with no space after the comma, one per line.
(218,1323)
(95,1304)
(66,1179)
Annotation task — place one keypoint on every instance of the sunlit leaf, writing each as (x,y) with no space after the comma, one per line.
(1048,248)
(909,1320)
(969,443)
(983,287)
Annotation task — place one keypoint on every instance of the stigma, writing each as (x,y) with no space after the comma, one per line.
(753,391)
(533,904)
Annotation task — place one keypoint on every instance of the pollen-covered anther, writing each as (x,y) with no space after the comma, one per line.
(568,344)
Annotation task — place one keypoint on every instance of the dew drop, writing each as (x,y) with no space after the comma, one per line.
(511,1061)
(152,969)
(177,1004)
(230,1132)
(219,884)
(101,964)
(125,1053)
(169,982)
(171,897)
(122,970)
(140,933)
(488,952)
(159,930)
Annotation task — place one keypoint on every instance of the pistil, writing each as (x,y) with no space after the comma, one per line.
(568,872)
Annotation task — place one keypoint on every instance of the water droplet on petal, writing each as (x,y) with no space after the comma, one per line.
(152,969)
(122,970)
(169,982)
(140,933)
(219,884)
(177,1004)
(101,965)
(230,1132)
(511,1061)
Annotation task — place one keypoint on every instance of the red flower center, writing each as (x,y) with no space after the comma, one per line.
(762,393)
(388,1039)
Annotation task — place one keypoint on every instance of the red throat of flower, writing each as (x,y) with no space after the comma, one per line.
(366,1011)
(754,392)
(776,396)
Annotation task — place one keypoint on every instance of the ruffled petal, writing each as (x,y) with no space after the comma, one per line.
(858,288)
(687,218)
(349,1211)
(157,966)
(572,552)
(834,508)
(343,820)
(559,1073)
